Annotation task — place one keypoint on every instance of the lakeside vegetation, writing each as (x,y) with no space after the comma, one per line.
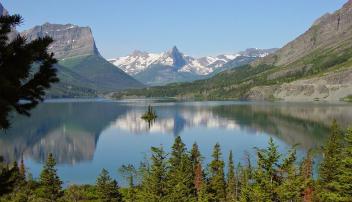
(182,175)
(347,99)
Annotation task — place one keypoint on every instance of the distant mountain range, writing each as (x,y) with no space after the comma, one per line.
(81,68)
(315,66)
(174,66)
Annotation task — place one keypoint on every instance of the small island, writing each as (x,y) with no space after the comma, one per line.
(149,115)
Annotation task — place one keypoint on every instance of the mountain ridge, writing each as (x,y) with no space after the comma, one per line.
(311,67)
(174,66)
(81,69)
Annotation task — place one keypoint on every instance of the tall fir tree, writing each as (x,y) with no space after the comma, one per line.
(328,183)
(306,175)
(290,184)
(231,189)
(266,174)
(244,183)
(154,187)
(107,188)
(203,195)
(19,80)
(198,178)
(217,184)
(196,156)
(345,175)
(180,178)
(196,159)
(50,183)
(130,173)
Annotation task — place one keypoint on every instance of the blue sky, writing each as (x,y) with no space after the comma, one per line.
(196,27)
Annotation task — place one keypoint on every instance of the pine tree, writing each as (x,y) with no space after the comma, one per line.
(129,172)
(50,183)
(266,174)
(196,160)
(198,177)
(306,176)
(10,179)
(153,187)
(328,185)
(196,157)
(290,184)
(244,186)
(345,176)
(18,79)
(231,189)
(107,188)
(203,193)
(180,178)
(217,185)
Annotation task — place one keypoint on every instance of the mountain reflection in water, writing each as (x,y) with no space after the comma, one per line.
(71,130)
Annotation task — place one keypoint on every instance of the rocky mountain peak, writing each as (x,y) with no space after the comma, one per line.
(177,57)
(140,61)
(69,40)
(137,53)
(256,52)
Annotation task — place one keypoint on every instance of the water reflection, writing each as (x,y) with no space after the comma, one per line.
(71,130)
(173,123)
(68,130)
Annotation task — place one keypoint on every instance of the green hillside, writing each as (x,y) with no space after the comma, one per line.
(88,76)
(160,74)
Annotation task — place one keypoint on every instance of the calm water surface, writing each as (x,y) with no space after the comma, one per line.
(88,135)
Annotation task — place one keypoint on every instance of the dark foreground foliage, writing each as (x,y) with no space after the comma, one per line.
(182,175)
(26,70)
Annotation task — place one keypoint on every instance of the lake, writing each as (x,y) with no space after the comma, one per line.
(88,135)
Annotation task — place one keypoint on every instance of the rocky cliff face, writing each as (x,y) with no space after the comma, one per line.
(81,69)
(69,40)
(330,87)
(320,61)
(331,31)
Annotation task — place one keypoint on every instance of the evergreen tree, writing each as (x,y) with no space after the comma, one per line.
(18,79)
(196,157)
(266,174)
(198,177)
(290,186)
(10,179)
(153,187)
(203,194)
(180,178)
(244,185)
(231,189)
(345,176)
(306,175)
(328,184)
(196,160)
(217,185)
(50,183)
(129,172)
(107,188)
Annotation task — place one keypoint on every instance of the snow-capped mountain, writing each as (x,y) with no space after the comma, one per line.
(174,66)
(139,61)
